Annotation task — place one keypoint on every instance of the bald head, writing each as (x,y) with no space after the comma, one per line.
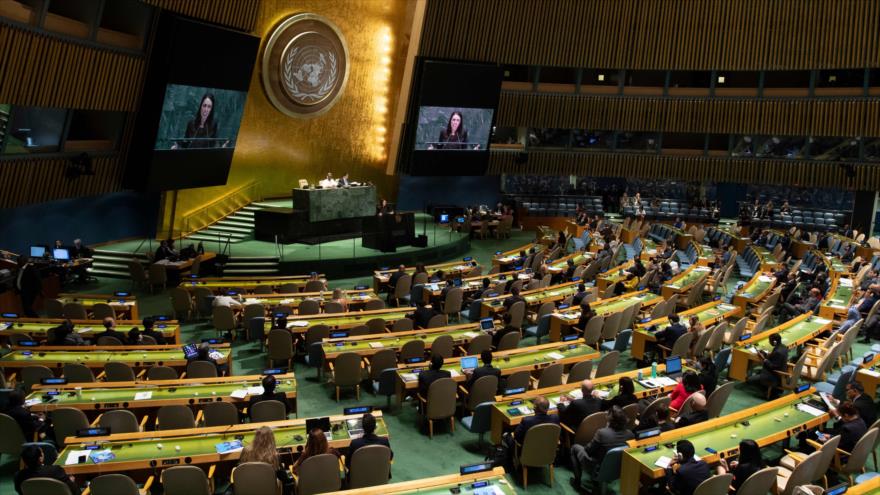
(586,388)
(699,402)
(542,405)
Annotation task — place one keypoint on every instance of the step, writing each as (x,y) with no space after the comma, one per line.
(244,213)
(255,264)
(262,206)
(238,222)
(211,238)
(232,229)
(223,234)
(273,259)
(251,208)
(119,254)
(110,264)
(250,271)
(101,272)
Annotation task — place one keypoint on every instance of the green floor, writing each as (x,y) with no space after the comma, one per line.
(415,455)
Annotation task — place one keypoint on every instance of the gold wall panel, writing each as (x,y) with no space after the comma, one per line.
(352,137)
(657,34)
(696,168)
(238,14)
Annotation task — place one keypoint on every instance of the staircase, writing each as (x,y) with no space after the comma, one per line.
(237,227)
(251,266)
(114,264)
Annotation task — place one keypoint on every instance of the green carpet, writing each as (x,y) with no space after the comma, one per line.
(415,455)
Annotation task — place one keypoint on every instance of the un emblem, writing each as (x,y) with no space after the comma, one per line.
(305,65)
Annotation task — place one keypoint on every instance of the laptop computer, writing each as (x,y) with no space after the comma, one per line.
(190,351)
(468,362)
(650,432)
(487,324)
(673,366)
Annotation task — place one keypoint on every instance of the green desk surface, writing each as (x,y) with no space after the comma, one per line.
(760,425)
(577,260)
(43,328)
(757,288)
(296,299)
(204,444)
(791,334)
(91,301)
(51,357)
(611,307)
(836,264)
(331,347)
(494,486)
(333,321)
(244,283)
(549,292)
(841,296)
(529,358)
(127,394)
(452,266)
(703,315)
(688,278)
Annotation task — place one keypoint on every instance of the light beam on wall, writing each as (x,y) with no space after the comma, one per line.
(382,84)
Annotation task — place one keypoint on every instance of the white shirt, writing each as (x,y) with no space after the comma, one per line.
(328,183)
(226,301)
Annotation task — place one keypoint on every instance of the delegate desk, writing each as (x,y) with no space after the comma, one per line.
(765,258)
(768,423)
(343,321)
(705,254)
(534,358)
(839,298)
(533,298)
(507,258)
(613,275)
(684,281)
(181,266)
(38,328)
(708,314)
(738,242)
(472,285)
(833,265)
(124,306)
(483,483)
(870,487)
(506,415)
(754,291)
(219,285)
(368,345)
(561,321)
(794,333)
(868,375)
(356,298)
(137,356)
(452,269)
(146,451)
(143,397)
(560,265)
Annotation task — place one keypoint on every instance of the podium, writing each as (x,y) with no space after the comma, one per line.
(388,232)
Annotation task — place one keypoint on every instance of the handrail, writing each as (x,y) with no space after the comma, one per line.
(217,209)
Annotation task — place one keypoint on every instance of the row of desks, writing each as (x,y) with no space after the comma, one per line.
(452,269)
(37,329)
(125,306)
(562,321)
(708,314)
(684,281)
(754,291)
(220,285)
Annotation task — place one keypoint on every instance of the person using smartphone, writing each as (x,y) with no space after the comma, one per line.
(685,473)
(748,463)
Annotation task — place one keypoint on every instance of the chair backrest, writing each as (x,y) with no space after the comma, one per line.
(540,444)
(716,339)
(263,289)
(682,345)
(483,390)
(374,304)
(859,455)
(219,414)
(714,485)
(703,342)
(175,417)
(632,414)
(453,301)
(108,340)
(517,312)
(333,307)
(255,478)
(795,376)
(520,379)
(370,466)
(268,410)
(412,349)
(580,372)
(551,376)
(156,372)
(44,486)
(382,360)
(803,473)
(589,426)
(479,344)
(721,359)
(510,340)
(279,344)
(319,474)
(314,286)
(113,484)
(437,321)
(760,482)
(420,278)
(612,326)
(55,308)
(593,330)
(686,405)
(829,449)
(12,438)
(545,309)
(441,399)
(376,325)
(761,324)
(75,311)
(402,325)
(158,274)
(607,364)
(78,373)
(32,375)
(653,406)
(609,469)
(67,421)
(222,318)
(659,310)
(253,310)
(718,398)
(118,372)
(103,310)
(404,283)
(201,369)
(120,421)
(309,307)
(347,369)
(289,288)
(442,346)
(621,342)
(185,480)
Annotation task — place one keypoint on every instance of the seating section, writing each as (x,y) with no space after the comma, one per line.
(748,263)
(669,208)
(661,232)
(717,237)
(804,218)
(557,206)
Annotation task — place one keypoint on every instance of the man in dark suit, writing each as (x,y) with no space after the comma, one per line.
(698,412)
(151,332)
(513,299)
(850,427)
(671,333)
(110,331)
(269,383)
(776,360)
(33,459)
(507,328)
(579,295)
(590,456)
(571,413)
(423,314)
(855,393)
(685,473)
(542,405)
(485,370)
(427,377)
(368,423)
(28,285)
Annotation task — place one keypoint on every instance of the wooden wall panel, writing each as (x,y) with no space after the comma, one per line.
(744,171)
(796,117)
(37,179)
(237,14)
(657,34)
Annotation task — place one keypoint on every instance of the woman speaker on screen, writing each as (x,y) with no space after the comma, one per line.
(455,136)
(201,131)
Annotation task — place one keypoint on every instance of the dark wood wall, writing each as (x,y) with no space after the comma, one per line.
(44,69)
(697,35)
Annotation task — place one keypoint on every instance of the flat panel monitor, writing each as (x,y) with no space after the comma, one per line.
(38,251)
(61,254)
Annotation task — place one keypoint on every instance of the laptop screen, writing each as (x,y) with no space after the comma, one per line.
(190,351)
(468,362)
(487,324)
(38,251)
(673,365)
(653,432)
(322,423)
(61,254)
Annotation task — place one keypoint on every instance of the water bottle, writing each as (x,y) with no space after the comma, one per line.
(639,376)
(654,369)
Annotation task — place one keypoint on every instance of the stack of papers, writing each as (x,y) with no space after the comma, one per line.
(576,394)
(258,390)
(376,345)
(227,447)
(554,355)
(300,323)
(33,402)
(74,455)
(809,410)
(470,335)
(409,377)
(143,395)
(84,330)
(454,373)
(765,278)
(239,394)
(602,394)
(870,373)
